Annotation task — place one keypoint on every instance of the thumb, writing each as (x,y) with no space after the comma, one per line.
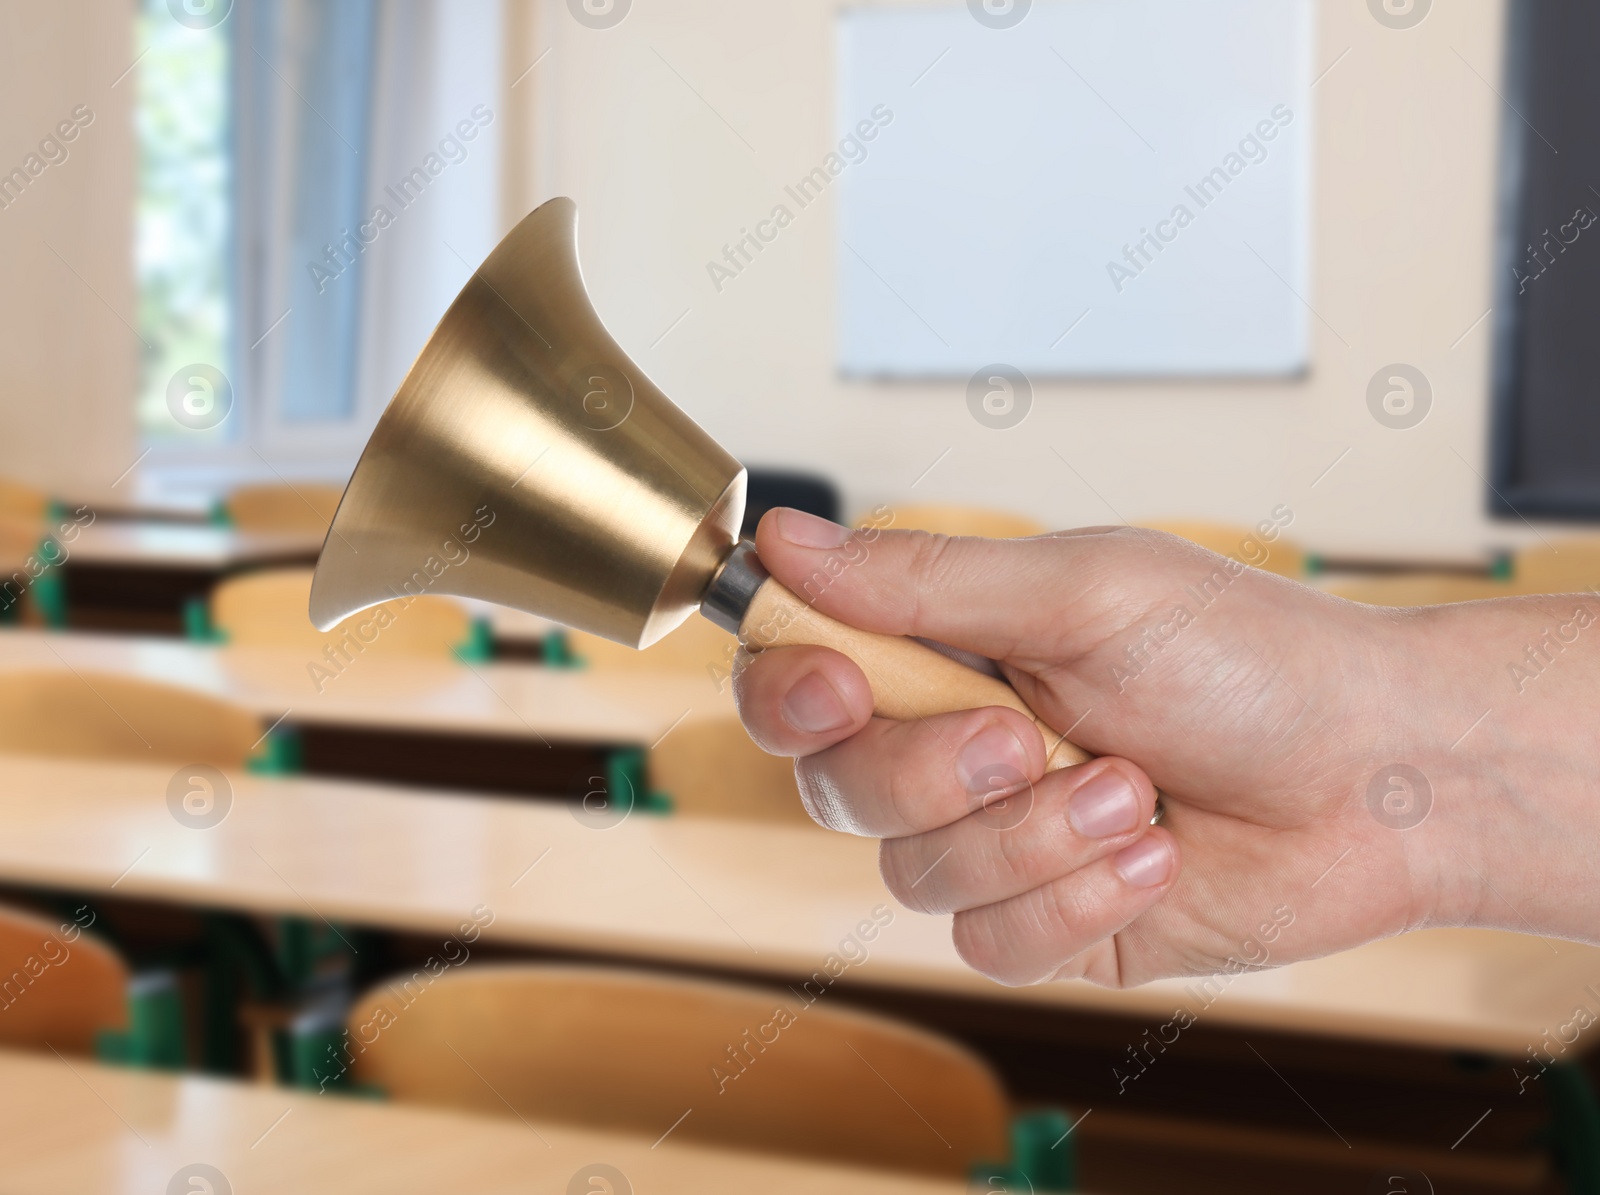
(1001,598)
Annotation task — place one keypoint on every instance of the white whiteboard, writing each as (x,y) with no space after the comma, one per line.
(1028,178)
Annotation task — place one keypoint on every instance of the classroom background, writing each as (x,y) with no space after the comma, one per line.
(479,901)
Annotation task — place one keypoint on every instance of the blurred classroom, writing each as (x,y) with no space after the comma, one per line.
(483,903)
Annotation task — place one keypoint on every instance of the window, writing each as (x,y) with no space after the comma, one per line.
(183,218)
(268,146)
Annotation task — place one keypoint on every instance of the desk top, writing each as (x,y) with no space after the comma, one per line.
(73,1125)
(752,897)
(155,545)
(507,699)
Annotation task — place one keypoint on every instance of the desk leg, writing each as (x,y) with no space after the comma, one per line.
(1044,1158)
(628,783)
(1576,1124)
(238,958)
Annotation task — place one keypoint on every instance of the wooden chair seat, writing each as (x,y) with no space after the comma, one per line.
(634,1052)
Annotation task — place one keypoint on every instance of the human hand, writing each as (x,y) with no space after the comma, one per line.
(1263,709)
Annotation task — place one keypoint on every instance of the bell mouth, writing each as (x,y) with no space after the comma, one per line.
(526,460)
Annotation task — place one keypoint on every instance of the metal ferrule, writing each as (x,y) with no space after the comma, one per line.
(734,587)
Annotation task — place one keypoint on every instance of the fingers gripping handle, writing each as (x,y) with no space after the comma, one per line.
(908,679)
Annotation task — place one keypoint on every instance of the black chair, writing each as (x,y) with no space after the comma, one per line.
(770,488)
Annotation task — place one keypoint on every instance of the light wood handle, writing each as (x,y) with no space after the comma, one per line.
(909,680)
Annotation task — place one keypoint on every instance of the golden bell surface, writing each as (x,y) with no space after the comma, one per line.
(527,461)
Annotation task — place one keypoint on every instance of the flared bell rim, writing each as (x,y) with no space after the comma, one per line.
(690,494)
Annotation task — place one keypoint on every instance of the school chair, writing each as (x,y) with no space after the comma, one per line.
(952,520)
(20,541)
(301,506)
(80,714)
(665,779)
(699,647)
(708,767)
(1569,565)
(268,607)
(785,1070)
(85,715)
(24,502)
(62,989)
(1244,544)
(55,991)
(1418,589)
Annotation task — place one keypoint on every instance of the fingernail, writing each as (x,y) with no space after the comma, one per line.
(808,531)
(993,760)
(1104,806)
(1145,864)
(813,706)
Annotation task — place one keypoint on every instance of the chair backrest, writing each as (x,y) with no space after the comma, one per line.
(1566,566)
(58,987)
(1244,544)
(1418,589)
(302,506)
(268,607)
(709,767)
(769,488)
(20,501)
(630,1051)
(958,520)
(699,646)
(69,713)
(19,539)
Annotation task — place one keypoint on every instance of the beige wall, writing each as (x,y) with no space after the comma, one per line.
(68,362)
(1406,137)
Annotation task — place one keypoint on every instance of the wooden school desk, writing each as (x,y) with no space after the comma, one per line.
(67,1124)
(771,904)
(409,694)
(737,896)
(139,575)
(510,724)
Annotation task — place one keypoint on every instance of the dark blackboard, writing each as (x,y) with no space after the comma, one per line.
(1546,434)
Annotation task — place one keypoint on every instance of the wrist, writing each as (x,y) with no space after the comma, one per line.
(1508,722)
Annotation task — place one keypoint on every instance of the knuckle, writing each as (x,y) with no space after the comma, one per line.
(1063,909)
(987,942)
(980,947)
(932,561)
(757,708)
(1012,855)
(900,865)
(906,769)
(822,798)
(929,550)
(902,794)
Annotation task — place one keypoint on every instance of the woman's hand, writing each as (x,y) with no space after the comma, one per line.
(1272,716)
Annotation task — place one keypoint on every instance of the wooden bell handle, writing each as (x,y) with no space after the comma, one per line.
(909,680)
